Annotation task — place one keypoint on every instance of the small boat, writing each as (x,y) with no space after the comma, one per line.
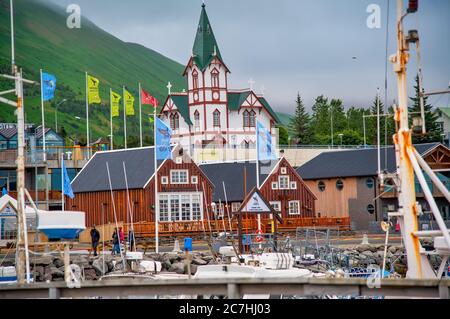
(8,275)
(57,225)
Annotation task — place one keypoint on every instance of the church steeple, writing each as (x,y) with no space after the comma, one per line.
(205,45)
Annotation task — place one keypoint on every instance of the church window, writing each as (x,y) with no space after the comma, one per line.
(252,116)
(195,80)
(215,78)
(246,119)
(216,118)
(174,121)
(197,119)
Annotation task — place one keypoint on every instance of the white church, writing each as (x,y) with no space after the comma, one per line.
(209,113)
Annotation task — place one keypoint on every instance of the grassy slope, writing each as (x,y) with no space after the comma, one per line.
(44,41)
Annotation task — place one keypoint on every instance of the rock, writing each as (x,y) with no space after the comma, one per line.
(90,273)
(393,249)
(367,253)
(38,273)
(173,258)
(177,268)
(199,262)
(361,248)
(97,264)
(57,272)
(58,262)
(80,260)
(42,261)
(193,269)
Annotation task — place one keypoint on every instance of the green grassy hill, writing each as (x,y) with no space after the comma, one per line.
(284,118)
(44,41)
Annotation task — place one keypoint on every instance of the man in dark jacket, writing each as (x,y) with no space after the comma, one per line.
(95,238)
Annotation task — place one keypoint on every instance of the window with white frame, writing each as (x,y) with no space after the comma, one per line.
(164,208)
(293,185)
(185,207)
(235,207)
(194,179)
(274,185)
(174,207)
(164,180)
(283,170)
(179,176)
(276,206)
(196,207)
(294,207)
(283,182)
(180,207)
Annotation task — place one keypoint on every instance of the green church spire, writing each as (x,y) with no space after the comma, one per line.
(205,45)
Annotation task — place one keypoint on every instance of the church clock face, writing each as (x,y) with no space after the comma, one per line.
(196,97)
(216,95)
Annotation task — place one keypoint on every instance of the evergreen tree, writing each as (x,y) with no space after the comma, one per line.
(300,124)
(372,125)
(433,131)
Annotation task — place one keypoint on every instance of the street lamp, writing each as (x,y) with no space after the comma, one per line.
(56,114)
(341,135)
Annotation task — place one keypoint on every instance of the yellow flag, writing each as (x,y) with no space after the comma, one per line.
(115,101)
(129,103)
(93,92)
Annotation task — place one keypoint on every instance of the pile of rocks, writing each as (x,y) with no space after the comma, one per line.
(51,268)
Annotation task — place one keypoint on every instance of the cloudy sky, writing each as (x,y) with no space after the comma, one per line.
(288,46)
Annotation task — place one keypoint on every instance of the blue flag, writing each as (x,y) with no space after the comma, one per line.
(163,135)
(4,191)
(48,86)
(264,141)
(66,187)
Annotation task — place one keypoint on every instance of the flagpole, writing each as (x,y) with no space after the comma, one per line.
(111,118)
(43,116)
(13,54)
(257,170)
(156,186)
(62,181)
(87,115)
(140,113)
(124,115)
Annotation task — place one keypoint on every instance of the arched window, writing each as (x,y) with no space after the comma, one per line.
(215,79)
(246,117)
(197,119)
(216,118)
(195,80)
(174,121)
(252,118)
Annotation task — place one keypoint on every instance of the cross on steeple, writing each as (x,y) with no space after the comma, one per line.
(251,82)
(263,89)
(169,87)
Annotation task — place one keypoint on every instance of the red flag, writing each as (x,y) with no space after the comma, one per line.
(146,97)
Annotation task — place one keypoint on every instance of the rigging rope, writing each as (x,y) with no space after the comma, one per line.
(386,85)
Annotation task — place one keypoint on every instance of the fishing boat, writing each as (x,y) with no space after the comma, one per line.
(58,225)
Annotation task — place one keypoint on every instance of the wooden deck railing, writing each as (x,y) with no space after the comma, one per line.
(52,195)
(147,229)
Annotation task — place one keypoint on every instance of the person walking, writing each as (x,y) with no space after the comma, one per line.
(116,245)
(121,235)
(95,238)
(131,239)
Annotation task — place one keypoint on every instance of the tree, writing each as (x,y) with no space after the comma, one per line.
(283,135)
(349,137)
(433,131)
(320,121)
(339,118)
(300,123)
